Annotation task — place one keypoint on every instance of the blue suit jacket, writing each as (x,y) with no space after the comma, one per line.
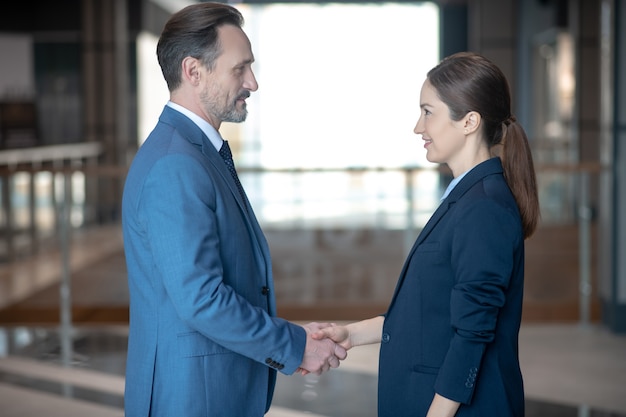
(204,339)
(452,326)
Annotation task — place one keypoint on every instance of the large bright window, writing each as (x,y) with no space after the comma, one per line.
(338,83)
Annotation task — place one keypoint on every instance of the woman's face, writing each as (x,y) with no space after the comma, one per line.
(444,138)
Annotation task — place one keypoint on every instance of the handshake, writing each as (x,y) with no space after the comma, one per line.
(326,345)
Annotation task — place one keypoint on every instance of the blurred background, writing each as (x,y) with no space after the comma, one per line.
(334,173)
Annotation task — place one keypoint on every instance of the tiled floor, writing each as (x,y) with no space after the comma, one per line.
(569,369)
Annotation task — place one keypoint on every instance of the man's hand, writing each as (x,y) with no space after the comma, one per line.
(320,355)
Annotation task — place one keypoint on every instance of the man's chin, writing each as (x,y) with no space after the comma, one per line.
(237,117)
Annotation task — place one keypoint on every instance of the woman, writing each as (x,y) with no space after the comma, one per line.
(449,340)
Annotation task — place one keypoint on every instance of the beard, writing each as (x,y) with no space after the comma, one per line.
(224,109)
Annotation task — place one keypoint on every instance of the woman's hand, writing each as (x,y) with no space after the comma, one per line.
(336,333)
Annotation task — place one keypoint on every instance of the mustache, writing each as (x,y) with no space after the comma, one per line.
(243,95)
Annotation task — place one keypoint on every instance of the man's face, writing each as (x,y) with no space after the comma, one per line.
(231,80)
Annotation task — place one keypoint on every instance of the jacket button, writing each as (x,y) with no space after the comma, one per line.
(265,290)
(386,337)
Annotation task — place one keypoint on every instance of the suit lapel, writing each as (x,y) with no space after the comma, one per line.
(489,167)
(432,222)
(190,131)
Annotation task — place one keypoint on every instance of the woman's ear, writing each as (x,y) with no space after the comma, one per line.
(471,122)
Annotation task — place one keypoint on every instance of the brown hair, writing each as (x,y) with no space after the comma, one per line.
(468,82)
(192,31)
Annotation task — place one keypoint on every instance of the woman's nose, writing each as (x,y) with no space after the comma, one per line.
(418,130)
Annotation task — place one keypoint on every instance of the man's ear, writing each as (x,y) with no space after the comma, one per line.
(190,70)
(471,122)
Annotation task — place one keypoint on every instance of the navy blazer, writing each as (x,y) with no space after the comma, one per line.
(452,325)
(203,336)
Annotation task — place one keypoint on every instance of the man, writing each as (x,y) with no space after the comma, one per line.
(203,338)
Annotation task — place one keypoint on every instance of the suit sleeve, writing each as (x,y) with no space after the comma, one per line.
(179,212)
(483,250)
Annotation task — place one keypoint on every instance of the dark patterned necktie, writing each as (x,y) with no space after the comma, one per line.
(228,158)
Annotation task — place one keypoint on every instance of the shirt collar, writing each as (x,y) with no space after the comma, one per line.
(453,184)
(210,132)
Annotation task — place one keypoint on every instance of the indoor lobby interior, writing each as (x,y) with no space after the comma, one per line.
(571,368)
(338,229)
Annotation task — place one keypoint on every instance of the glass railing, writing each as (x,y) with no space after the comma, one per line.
(45,199)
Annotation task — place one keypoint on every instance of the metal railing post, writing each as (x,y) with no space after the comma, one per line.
(409,234)
(65,290)
(584,249)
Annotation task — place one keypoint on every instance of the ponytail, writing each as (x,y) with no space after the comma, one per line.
(519,173)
